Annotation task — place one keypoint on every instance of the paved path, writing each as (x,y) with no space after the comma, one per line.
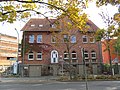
(28,79)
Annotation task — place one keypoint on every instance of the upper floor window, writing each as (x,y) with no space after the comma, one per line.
(31,38)
(66,56)
(39,38)
(74,55)
(53,39)
(93,54)
(92,40)
(65,38)
(73,39)
(39,55)
(84,39)
(31,56)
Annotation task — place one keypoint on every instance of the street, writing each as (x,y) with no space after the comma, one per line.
(55,85)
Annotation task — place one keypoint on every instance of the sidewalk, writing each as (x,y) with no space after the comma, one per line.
(41,79)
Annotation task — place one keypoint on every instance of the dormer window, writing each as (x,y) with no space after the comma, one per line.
(32,25)
(40,25)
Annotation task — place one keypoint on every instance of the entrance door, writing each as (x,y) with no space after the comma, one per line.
(54,56)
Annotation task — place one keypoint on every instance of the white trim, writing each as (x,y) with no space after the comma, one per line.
(54,55)
(39,53)
(32,25)
(29,55)
(85,36)
(65,54)
(75,54)
(94,54)
(40,37)
(31,38)
(87,54)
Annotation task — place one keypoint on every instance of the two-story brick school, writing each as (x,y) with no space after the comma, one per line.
(42,54)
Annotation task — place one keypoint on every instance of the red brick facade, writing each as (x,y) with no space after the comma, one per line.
(46,46)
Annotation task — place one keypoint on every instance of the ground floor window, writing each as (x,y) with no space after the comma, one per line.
(30,56)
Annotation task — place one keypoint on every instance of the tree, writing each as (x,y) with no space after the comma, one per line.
(66,31)
(107,34)
(106,2)
(11,10)
(117,46)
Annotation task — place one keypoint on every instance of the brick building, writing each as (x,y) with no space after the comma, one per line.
(42,56)
(8,51)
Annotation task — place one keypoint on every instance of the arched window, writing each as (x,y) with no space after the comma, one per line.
(54,56)
(93,54)
(30,55)
(74,55)
(86,54)
(39,56)
(66,56)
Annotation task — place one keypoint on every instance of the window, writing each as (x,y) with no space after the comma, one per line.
(85,39)
(74,55)
(30,56)
(31,38)
(65,38)
(40,25)
(73,39)
(86,55)
(53,39)
(39,56)
(66,56)
(32,25)
(93,54)
(39,38)
(92,40)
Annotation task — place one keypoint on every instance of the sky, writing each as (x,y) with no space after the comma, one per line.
(92,11)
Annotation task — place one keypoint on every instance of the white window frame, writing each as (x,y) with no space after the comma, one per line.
(54,56)
(86,54)
(93,40)
(40,25)
(94,54)
(65,53)
(39,37)
(31,53)
(73,39)
(31,38)
(39,53)
(85,36)
(32,25)
(74,54)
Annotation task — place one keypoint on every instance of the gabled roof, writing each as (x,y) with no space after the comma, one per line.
(37,24)
(92,27)
(44,24)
